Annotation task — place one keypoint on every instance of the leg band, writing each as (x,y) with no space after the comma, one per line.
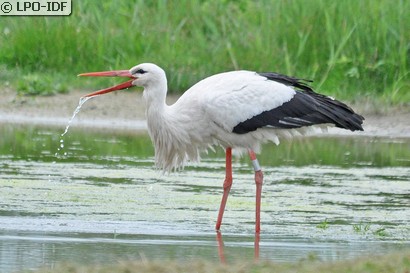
(256,166)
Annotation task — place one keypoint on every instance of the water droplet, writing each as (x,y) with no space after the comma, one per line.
(76,111)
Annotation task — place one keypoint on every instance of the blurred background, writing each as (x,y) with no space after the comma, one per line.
(355,50)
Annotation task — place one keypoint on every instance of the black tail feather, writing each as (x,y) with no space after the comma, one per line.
(304,109)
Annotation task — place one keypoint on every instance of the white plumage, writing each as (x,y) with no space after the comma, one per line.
(238,109)
(206,114)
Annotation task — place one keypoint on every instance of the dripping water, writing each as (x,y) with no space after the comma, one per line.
(76,111)
(80,104)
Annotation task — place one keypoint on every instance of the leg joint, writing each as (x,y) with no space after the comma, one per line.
(227,183)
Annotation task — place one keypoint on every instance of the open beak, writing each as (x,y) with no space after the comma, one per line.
(114,73)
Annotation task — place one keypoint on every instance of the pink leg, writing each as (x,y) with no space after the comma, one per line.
(258,182)
(227,187)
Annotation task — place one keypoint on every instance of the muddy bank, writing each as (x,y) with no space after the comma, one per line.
(125,111)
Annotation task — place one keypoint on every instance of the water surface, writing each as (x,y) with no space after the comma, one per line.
(100,200)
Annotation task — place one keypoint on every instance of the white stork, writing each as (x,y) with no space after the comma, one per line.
(235,110)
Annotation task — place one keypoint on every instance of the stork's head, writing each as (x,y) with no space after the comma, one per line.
(146,74)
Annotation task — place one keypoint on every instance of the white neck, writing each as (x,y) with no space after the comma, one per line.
(155,95)
(166,129)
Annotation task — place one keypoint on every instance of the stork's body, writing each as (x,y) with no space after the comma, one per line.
(236,110)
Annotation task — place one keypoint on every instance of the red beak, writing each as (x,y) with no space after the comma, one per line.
(114,73)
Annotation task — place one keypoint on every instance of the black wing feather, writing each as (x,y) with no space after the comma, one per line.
(304,109)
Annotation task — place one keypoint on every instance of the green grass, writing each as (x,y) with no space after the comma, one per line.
(393,263)
(379,232)
(361,228)
(352,49)
(323,225)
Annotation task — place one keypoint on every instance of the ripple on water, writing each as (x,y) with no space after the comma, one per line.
(106,195)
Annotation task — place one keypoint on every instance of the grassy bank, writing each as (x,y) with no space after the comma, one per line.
(393,263)
(352,49)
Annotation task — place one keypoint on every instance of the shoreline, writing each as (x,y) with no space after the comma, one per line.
(125,111)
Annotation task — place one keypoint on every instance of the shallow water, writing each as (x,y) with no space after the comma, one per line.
(101,200)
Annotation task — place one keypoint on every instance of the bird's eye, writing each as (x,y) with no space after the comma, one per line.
(141,71)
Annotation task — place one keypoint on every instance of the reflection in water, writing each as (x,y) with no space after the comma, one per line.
(256,245)
(221,251)
(27,250)
(104,201)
